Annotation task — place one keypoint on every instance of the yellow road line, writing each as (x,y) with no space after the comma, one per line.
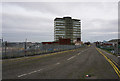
(116,69)
(109,60)
(113,65)
(115,62)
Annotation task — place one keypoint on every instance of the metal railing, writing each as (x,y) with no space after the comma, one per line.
(111,49)
(19,51)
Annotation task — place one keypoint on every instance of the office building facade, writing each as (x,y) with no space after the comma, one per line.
(67,28)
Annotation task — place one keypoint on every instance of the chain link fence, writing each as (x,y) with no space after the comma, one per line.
(112,49)
(38,49)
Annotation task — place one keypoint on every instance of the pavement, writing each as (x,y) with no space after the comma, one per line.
(71,64)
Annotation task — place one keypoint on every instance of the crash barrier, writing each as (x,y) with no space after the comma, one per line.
(19,51)
(111,49)
(108,48)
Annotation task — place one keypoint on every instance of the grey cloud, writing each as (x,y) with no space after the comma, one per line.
(99,38)
(35,20)
(21,36)
(100,25)
(12,22)
(44,7)
(106,30)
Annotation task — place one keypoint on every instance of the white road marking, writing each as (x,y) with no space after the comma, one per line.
(79,53)
(82,51)
(41,69)
(57,63)
(29,73)
(71,57)
(22,75)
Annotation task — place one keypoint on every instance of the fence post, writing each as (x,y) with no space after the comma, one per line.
(25,46)
(5,48)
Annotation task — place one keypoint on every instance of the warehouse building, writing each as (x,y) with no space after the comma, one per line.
(67,28)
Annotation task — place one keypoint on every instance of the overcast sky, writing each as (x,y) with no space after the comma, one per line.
(35,20)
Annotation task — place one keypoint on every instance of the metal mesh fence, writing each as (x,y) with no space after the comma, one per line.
(19,51)
(111,49)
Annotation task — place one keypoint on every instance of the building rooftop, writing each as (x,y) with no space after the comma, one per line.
(66,18)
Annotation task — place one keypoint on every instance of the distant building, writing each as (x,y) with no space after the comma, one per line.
(64,41)
(116,44)
(67,28)
(60,42)
(78,42)
(117,41)
(49,43)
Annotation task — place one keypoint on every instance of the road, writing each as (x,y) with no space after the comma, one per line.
(72,64)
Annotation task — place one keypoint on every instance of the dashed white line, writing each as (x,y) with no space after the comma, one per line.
(79,53)
(22,75)
(82,51)
(71,57)
(39,70)
(57,63)
(29,73)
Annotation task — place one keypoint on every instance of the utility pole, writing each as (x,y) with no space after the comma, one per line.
(2,45)
(25,46)
(5,48)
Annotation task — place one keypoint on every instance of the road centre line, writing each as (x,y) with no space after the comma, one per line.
(48,55)
(33,71)
(71,57)
(22,75)
(112,64)
(57,63)
(82,51)
(79,53)
(29,73)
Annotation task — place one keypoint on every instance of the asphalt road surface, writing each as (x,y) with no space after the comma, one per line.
(72,64)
